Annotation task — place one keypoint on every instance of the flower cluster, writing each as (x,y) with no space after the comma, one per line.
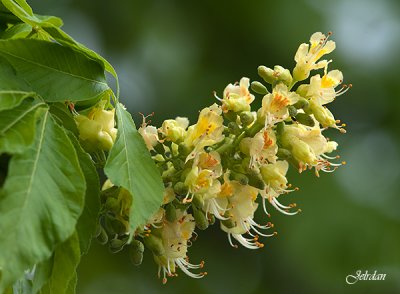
(233,159)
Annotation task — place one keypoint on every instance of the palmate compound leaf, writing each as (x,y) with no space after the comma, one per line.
(40,202)
(130,166)
(17,126)
(55,72)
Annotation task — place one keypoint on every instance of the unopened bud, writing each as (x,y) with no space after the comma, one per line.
(180,188)
(116,245)
(246,118)
(292,110)
(102,237)
(305,119)
(322,115)
(256,181)
(301,103)
(170,212)
(136,250)
(229,223)
(241,178)
(200,218)
(266,73)
(154,244)
(259,88)
(283,153)
(234,128)
(282,75)
(280,127)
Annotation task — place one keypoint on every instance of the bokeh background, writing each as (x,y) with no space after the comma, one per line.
(171,55)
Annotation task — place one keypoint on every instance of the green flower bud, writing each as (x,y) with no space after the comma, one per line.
(266,73)
(234,128)
(154,244)
(292,110)
(229,223)
(230,115)
(282,75)
(259,88)
(114,226)
(280,127)
(241,178)
(301,103)
(116,245)
(256,181)
(246,118)
(180,188)
(102,237)
(136,250)
(283,153)
(198,201)
(170,212)
(200,218)
(305,119)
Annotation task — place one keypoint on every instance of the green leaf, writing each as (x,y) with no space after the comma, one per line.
(23,11)
(41,201)
(64,263)
(55,72)
(17,126)
(129,165)
(64,117)
(21,30)
(88,221)
(63,38)
(12,88)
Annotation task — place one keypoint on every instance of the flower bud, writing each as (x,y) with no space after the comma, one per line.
(180,188)
(154,244)
(170,212)
(322,115)
(200,218)
(256,181)
(282,75)
(246,118)
(116,245)
(234,128)
(305,119)
(302,103)
(266,73)
(283,153)
(102,237)
(259,88)
(241,178)
(292,111)
(136,250)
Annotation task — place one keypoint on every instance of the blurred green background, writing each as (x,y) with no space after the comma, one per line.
(171,55)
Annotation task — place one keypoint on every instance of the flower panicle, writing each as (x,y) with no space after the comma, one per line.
(234,159)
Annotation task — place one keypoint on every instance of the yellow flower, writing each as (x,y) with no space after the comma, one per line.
(149,135)
(206,132)
(241,208)
(307,56)
(322,90)
(261,148)
(274,105)
(174,129)
(309,147)
(175,237)
(237,98)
